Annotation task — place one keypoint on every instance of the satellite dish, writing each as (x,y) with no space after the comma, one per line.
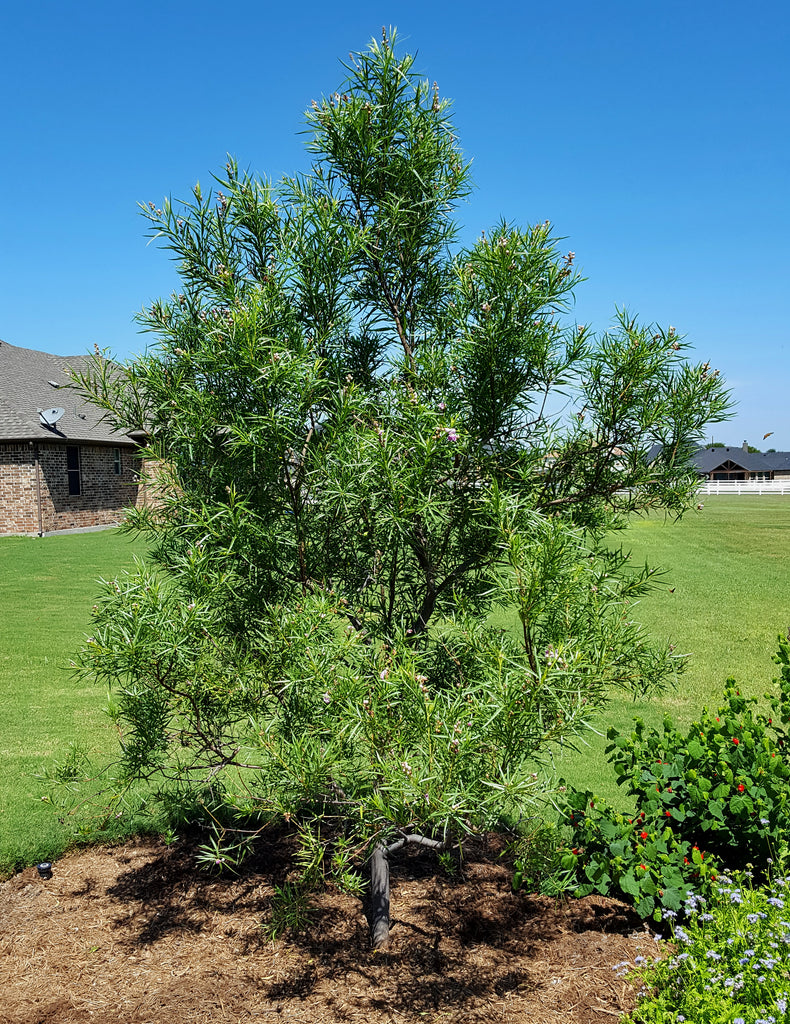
(49,417)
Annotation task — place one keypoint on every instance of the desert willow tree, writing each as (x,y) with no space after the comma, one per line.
(359,455)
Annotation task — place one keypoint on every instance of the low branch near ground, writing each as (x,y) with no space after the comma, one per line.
(379,907)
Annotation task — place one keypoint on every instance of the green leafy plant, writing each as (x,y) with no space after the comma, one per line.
(223,851)
(542,860)
(708,798)
(290,911)
(357,454)
(69,771)
(169,836)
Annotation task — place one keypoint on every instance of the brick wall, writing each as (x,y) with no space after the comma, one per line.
(103,493)
(18,505)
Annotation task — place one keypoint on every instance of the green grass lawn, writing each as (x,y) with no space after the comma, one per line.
(47,589)
(728,568)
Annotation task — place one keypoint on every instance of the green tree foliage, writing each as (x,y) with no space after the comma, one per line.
(367,436)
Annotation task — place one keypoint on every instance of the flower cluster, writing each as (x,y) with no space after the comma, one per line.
(731,961)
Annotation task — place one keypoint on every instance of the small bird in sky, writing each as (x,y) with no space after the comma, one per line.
(768,434)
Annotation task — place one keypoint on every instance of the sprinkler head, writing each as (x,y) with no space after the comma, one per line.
(45,869)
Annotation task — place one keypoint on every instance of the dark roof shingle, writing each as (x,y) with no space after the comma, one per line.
(31,380)
(708,459)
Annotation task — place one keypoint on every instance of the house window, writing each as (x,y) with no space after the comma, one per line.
(116,461)
(73,468)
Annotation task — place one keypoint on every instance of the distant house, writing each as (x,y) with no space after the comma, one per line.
(61,466)
(741,464)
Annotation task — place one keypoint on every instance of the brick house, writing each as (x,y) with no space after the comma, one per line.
(61,466)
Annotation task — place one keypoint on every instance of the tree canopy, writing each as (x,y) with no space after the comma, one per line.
(366,438)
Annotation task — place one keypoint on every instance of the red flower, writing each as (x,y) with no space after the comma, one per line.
(643,867)
(741,788)
(668,814)
(643,835)
(735,740)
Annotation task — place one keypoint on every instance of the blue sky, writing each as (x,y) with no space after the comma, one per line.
(655,137)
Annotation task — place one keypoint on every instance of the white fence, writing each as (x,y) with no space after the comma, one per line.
(781,486)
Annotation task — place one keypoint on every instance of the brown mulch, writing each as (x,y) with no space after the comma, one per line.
(135,934)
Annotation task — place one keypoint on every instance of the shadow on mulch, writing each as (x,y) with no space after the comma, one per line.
(138,934)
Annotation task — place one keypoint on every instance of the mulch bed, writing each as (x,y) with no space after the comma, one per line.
(136,934)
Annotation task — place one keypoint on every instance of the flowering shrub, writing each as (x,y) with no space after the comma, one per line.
(713,796)
(637,857)
(731,961)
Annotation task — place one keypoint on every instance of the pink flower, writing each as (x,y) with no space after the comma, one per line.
(451,435)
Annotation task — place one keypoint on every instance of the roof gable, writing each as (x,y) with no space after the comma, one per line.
(707,460)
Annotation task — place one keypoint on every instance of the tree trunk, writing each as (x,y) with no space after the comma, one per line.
(379,909)
(379,904)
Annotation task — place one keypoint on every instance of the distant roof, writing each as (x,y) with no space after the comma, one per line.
(708,459)
(30,381)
